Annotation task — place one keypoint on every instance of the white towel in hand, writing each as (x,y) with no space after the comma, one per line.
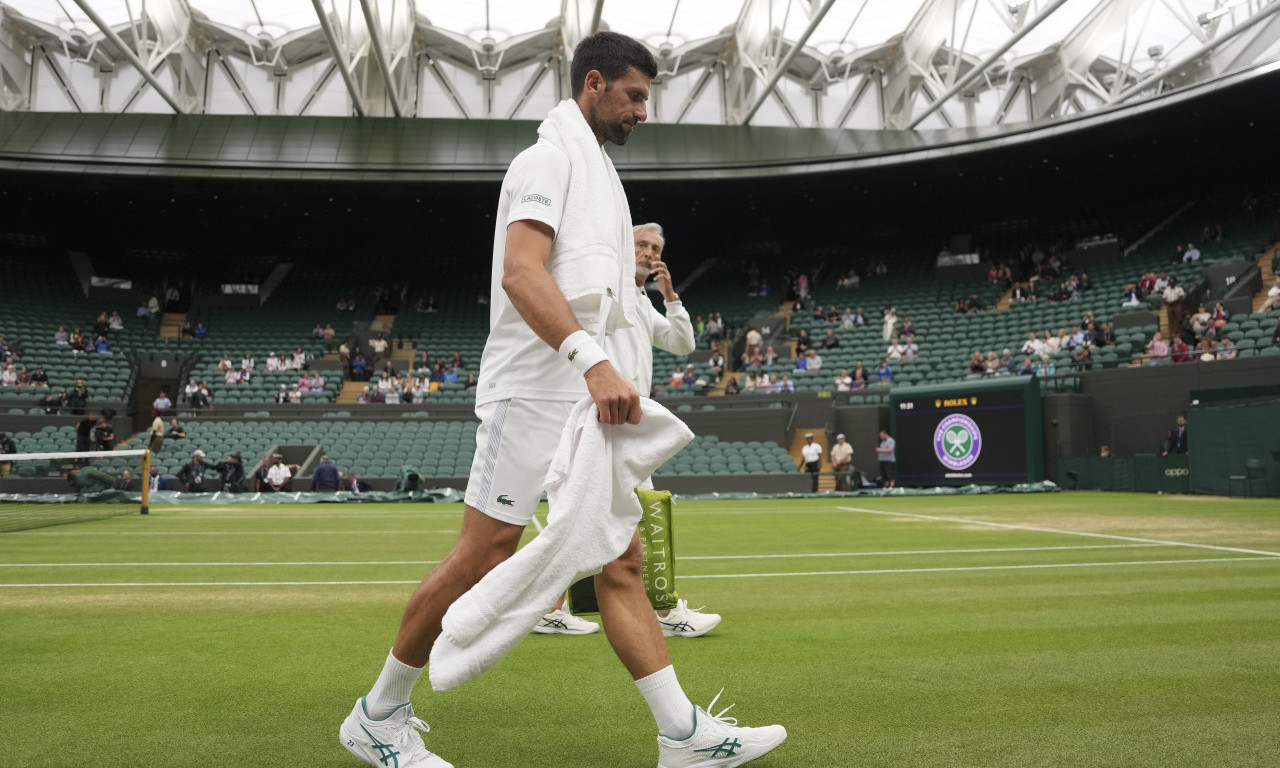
(594,513)
(595,247)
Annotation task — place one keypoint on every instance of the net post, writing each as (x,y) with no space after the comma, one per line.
(146,482)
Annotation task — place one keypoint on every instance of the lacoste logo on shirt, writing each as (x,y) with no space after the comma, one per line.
(536,199)
(503,500)
(572,355)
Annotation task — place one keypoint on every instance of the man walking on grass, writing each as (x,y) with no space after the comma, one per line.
(551,228)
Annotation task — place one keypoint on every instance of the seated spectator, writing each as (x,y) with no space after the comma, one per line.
(1082,359)
(102,346)
(690,376)
(977,366)
(1273,297)
(200,331)
(39,378)
(50,404)
(830,341)
(897,349)
(246,363)
(203,397)
(732,387)
(1045,366)
(803,343)
(885,373)
(1131,296)
(187,331)
(814,360)
(273,362)
(327,333)
(317,333)
(116,323)
(9,376)
(295,395)
(299,360)
(1178,350)
(317,381)
(143,313)
(102,326)
(1007,364)
(975,304)
(911,350)
(1032,346)
(175,432)
(282,394)
(992,364)
(189,389)
(304,383)
(843,381)
(359,368)
(1027,369)
(61,337)
(1020,292)
(77,341)
(1157,350)
(859,376)
(716,362)
(785,385)
(1200,321)
(232,376)
(908,328)
(1191,255)
(859,319)
(471,381)
(162,402)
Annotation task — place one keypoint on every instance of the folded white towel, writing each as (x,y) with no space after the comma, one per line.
(594,513)
(595,248)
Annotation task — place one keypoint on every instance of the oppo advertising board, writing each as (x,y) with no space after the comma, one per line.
(986,432)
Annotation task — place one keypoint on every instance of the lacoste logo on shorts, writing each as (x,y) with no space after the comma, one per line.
(503,500)
(536,199)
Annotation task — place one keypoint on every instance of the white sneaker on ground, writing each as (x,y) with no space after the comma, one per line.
(390,743)
(718,742)
(684,621)
(561,622)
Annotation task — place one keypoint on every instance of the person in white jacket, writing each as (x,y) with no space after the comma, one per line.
(560,267)
(631,351)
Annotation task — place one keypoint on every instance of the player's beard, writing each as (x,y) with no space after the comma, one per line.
(613,131)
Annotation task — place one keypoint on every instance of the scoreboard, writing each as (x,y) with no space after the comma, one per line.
(986,432)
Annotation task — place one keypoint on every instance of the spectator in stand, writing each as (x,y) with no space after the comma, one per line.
(115,323)
(897,349)
(1104,336)
(843,381)
(890,328)
(1007,365)
(102,326)
(1132,296)
(299,361)
(157,481)
(785,385)
(1191,255)
(814,361)
(885,373)
(754,339)
(471,381)
(317,381)
(50,403)
(327,334)
(125,480)
(359,368)
(282,395)
(9,376)
(732,387)
(859,376)
(162,402)
(1045,367)
(40,378)
(325,477)
(803,343)
(1157,350)
(1082,359)
(200,331)
(176,432)
(203,397)
(143,313)
(830,341)
(1027,368)
(1032,346)
(187,332)
(1178,350)
(1173,297)
(716,362)
(1273,297)
(715,329)
(977,366)
(378,346)
(859,319)
(61,337)
(1020,292)
(1275,337)
(1227,350)
(273,362)
(991,364)
(77,342)
(232,376)
(317,333)
(102,346)
(908,328)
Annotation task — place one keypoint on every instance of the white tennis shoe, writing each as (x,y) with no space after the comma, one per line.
(561,622)
(684,621)
(390,743)
(718,742)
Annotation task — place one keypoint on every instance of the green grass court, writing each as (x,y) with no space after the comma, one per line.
(926,631)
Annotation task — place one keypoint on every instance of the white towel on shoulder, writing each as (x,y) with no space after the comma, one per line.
(595,248)
(594,513)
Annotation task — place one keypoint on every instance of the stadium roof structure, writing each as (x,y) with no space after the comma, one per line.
(891,65)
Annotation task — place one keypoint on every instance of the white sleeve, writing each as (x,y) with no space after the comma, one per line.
(537,184)
(674,332)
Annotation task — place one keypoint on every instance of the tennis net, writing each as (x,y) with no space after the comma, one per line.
(43,489)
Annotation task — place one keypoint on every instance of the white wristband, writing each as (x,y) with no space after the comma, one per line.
(582,351)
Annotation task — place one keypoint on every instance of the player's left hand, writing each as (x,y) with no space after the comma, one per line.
(662,275)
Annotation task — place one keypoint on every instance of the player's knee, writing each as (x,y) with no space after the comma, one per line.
(626,568)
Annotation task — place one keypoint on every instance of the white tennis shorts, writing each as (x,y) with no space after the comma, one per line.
(514,446)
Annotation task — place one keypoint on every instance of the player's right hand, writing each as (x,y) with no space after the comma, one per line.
(617,400)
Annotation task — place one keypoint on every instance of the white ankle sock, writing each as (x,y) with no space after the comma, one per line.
(671,708)
(392,689)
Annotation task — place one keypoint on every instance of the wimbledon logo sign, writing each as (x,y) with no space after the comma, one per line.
(957,441)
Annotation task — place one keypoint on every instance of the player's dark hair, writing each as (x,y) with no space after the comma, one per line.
(610,54)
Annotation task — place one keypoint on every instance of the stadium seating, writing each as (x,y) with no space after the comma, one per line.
(708,455)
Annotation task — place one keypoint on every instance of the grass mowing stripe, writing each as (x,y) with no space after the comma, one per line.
(1016,527)
(696,557)
(685,577)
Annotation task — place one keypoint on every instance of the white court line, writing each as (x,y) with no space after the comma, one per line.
(1059,530)
(678,559)
(708,576)
(218,533)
